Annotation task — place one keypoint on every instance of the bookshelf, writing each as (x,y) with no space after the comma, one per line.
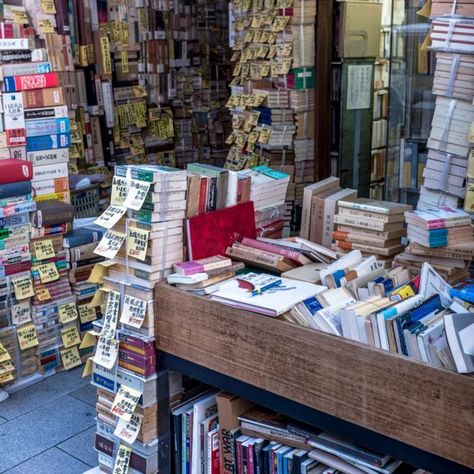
(415,412)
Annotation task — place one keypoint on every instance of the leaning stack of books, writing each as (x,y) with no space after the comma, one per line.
(373,227)
(18,332)
(442,237)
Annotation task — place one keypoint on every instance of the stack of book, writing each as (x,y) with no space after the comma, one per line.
(469,198)
(442,237)
(446,168)
(320,201)
(18,333)
(373,227)
(59,337)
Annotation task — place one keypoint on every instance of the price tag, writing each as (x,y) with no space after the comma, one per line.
(71,358)
(133,312)
(110,244)
(43,294)
(44,249)
(139,91)
(98,298)
(21,313)
(99,271)
(122,460)
(111,216)
(136,194)
(124,58)
(67,313)
(48,7)
(87,313)
(88,367)
(23,288)
(105,49)
(6,367)
(111,315)
(128,430)
(4,355)
(19,16)
(125,402)
(119,191)
(45,25)
(48,272)
(137,243)
(70,337)
(27,337)
(106,352)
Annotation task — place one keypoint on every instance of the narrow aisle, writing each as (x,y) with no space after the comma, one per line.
(48,428)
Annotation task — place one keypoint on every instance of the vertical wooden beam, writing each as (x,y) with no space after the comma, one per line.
(323,50)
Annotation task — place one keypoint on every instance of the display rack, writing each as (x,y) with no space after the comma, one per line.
(407,409)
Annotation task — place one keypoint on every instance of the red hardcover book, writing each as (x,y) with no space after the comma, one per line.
(31,81)
(202,195)
(211,233)
(13,171)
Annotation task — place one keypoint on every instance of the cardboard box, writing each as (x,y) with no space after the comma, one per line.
(359,27)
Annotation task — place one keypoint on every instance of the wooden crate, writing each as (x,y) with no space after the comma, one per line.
(429,408)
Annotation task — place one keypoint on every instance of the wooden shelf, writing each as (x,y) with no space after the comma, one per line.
(407,401)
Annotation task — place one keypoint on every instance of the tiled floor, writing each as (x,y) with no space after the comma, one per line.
(48,428)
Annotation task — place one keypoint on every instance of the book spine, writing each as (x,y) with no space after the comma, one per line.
(364,207)
(7,44)
(26,69)
(202,196)
(49,157)
(354,222)
(268,247)
(48,142)
(36,128)
(15,189)
(43,98)
(14,122)
(60,111)
(28,82)
(74,240)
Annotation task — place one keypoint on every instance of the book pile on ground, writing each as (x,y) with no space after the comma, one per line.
(18,333)
(224,433)
(373,227)
(320,201)
(445,173)
(443,237)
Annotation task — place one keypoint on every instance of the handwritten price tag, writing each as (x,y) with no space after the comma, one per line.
(133,312)
(48,7)
(125,402)
(43,294)
(48,272)
(71,358)
(110,216)
(106,352)
(119,191)
(111,315)
(129,430)
(110,244)
(122,460)
(44,249)
(27,337)
(87,313)
(70,337)
(136,194)
(23,288)
(137,243)
(67,313)
(21,313)
(4,355)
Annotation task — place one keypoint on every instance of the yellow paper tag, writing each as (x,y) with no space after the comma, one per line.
(48,7)
(119,191)
(88,367)
(23,288)
(139,91)
(4,355)
(105,49)
(137,243)
(21,313)
(43,294)
(6,367)
(67,313)
(87,313)
(44,249)
(71,358)
(45,25)
(19,16)
(125,402)
(70,337)
(27,337)
(124,61)
(88,340)
(99,271)
(48,272)
(6,378)
(110,244)
(122,460)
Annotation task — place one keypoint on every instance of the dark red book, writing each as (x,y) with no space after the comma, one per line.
(211,233)
(13,171)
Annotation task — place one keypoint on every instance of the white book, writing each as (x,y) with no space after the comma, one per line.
(272,302)
(347,261)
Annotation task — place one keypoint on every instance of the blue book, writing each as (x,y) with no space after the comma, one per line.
(15,189)
(82,236)
(53,126)
(48,142)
